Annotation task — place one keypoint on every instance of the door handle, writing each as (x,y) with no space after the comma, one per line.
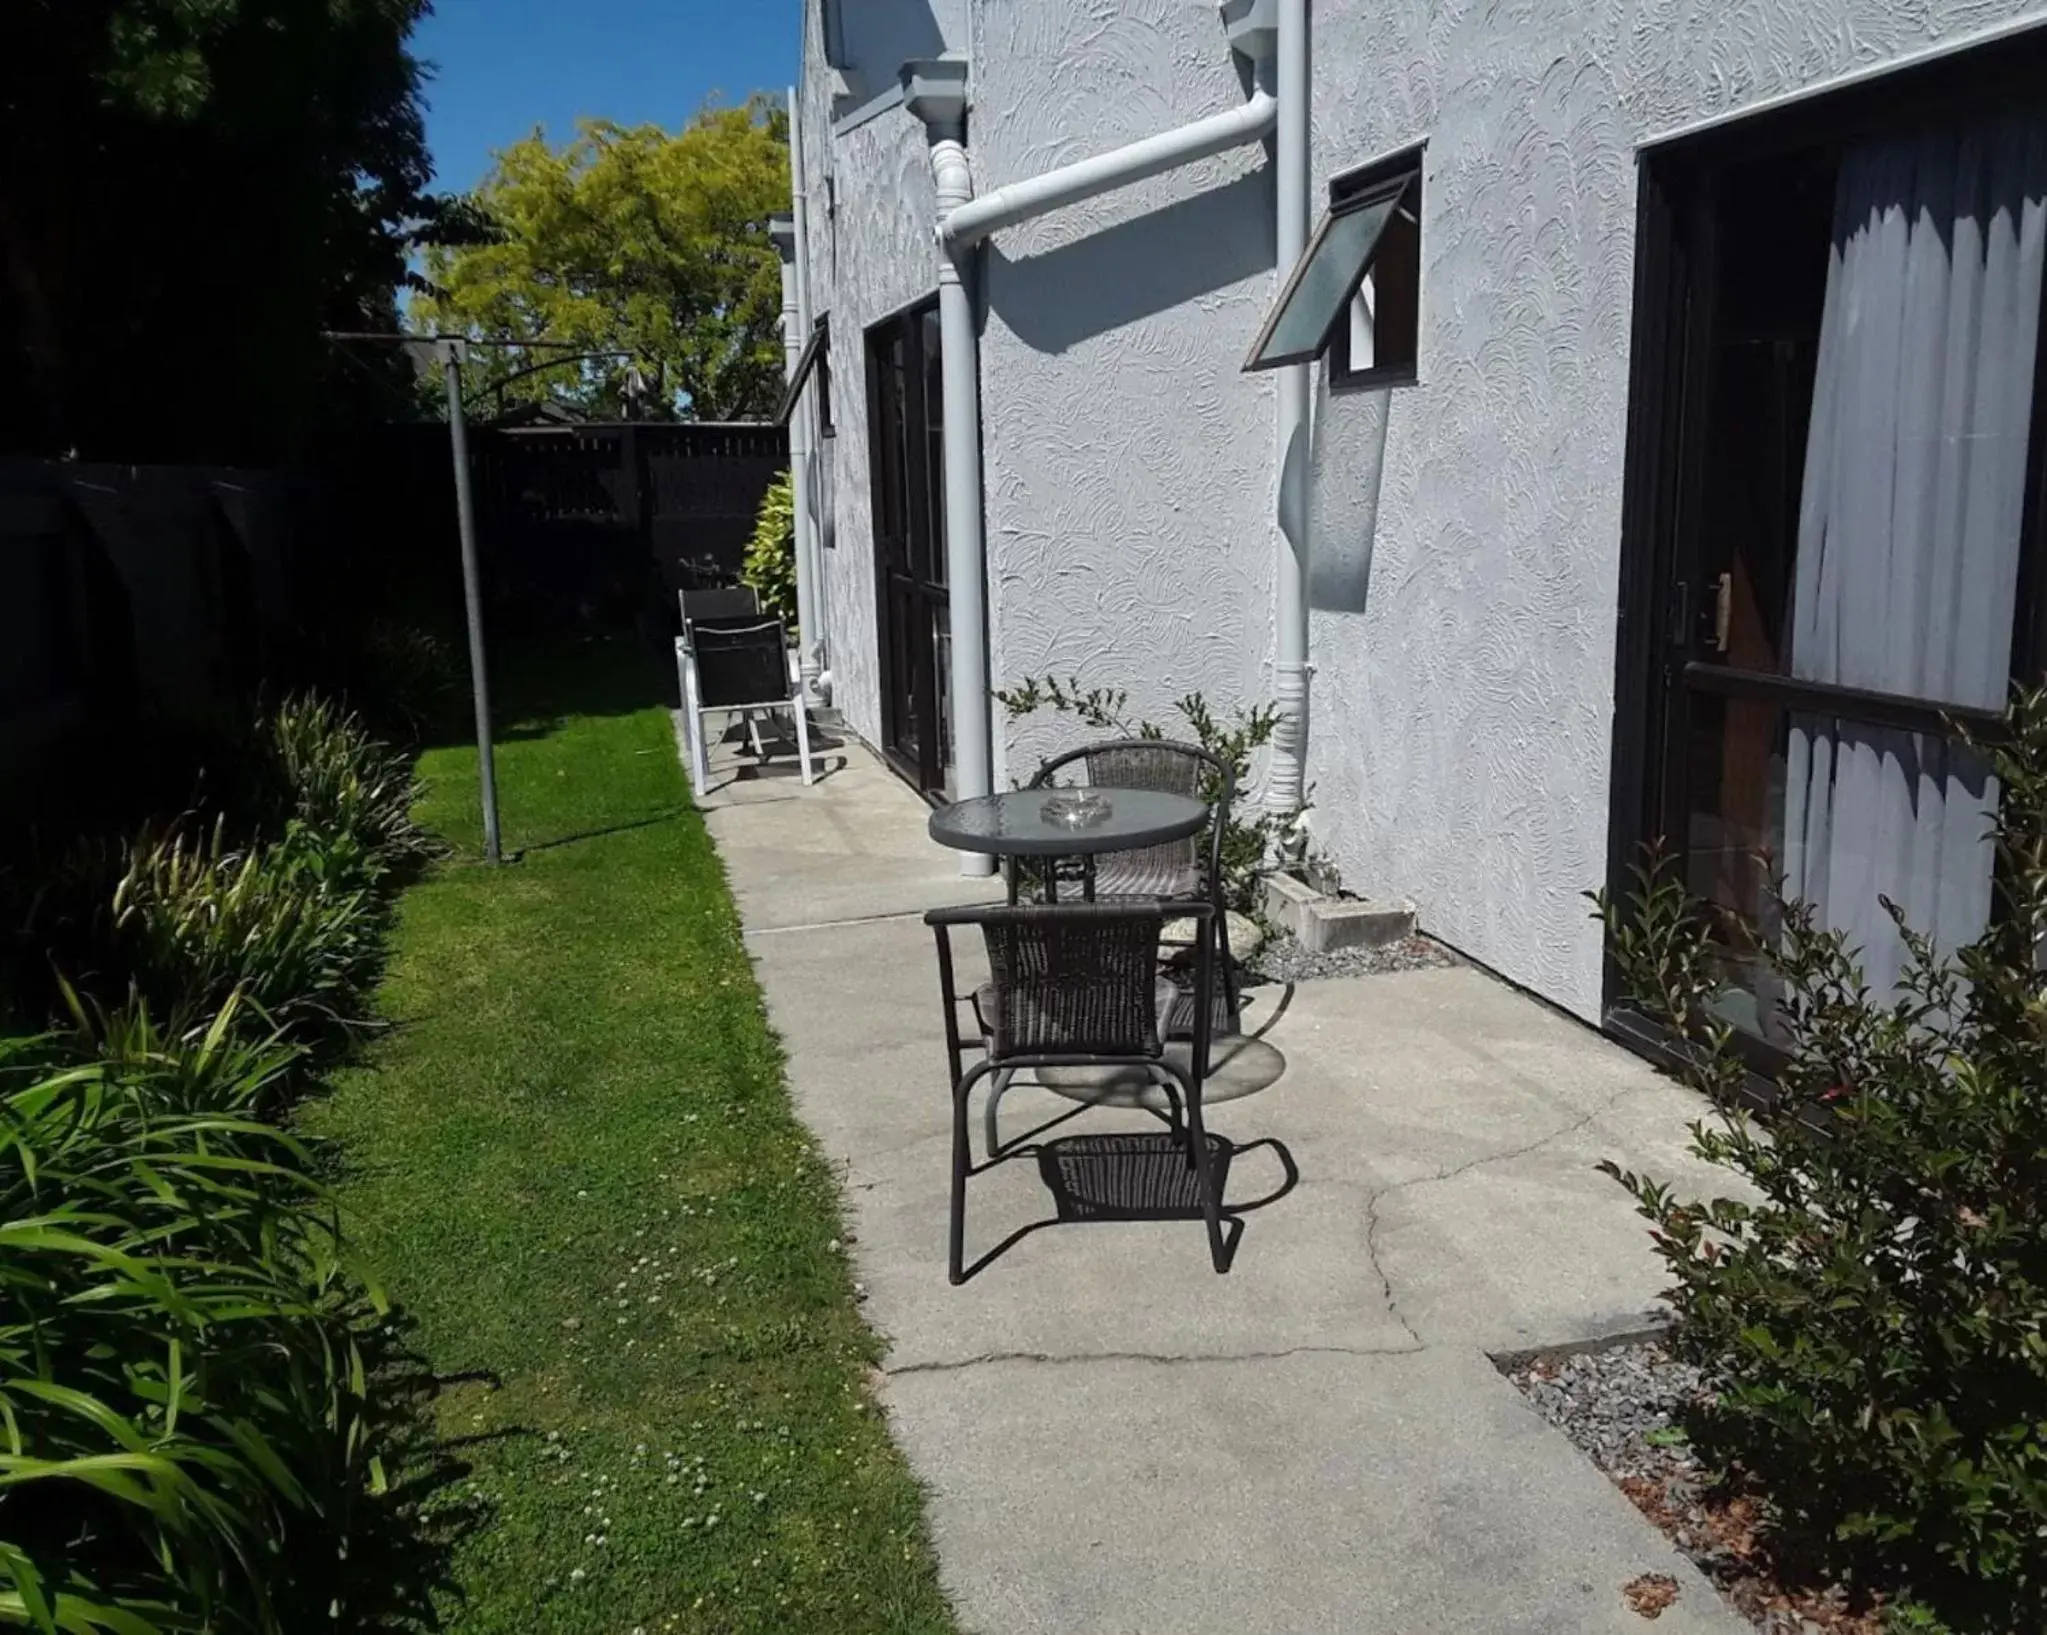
(1723,611)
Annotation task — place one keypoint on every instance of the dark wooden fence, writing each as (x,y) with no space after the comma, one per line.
(166,592)
(164,589)
(553,500)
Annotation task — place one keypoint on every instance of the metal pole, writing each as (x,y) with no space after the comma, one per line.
(472,593)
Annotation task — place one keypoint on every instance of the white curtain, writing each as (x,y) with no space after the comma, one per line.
(1909,526)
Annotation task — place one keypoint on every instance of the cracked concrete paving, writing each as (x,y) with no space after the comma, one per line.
(1116,1439)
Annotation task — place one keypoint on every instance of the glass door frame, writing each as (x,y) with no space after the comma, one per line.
(1665,653)
(910,591)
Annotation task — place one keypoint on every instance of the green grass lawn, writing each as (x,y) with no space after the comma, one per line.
(573,1164)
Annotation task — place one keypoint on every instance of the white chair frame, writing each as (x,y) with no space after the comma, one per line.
(696,714)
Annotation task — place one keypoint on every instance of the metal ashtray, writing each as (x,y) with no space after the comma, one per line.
(1076,808)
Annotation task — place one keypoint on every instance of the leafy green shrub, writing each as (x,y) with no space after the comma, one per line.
(185,1436)
(346,789)
(1250,834)
(1875,1324)
(770,565)
(282,900)
(401,678)
(289,925)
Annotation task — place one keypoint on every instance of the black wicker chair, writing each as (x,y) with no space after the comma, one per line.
(1072,985)
(1176,869)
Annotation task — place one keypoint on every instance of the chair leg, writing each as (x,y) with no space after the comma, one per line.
(956,1233)
(693,713)
(1211,1205)
(691,726)
(1176,1121)
(1232,1001)
(998,1083)
(703,762)
(753,736)
(803,740)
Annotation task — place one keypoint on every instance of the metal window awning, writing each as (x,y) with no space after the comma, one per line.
(1318,292)
(806,364)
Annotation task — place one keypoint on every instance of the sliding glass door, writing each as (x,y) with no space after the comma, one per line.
(1833,518)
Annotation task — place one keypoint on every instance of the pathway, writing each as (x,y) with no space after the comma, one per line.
(1116,1440)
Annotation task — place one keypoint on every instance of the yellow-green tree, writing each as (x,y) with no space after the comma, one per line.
(633,240)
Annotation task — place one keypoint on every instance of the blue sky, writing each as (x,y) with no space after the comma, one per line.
(504,66)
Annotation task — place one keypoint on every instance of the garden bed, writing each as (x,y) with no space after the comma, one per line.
(1284,959)
(1621,1406)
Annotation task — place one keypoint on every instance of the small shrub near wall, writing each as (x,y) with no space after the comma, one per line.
(1251,836)
(770,566)
(1874,1322)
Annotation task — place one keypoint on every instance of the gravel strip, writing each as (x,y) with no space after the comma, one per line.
(1608,1402)
(1283,959)
(1621,1406)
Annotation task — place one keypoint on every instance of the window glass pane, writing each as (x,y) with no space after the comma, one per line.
(1396,290)
(1315,297)
(1846,814)
(934,440)
(1363,324)
(941,652)
(807,362)
(890,453)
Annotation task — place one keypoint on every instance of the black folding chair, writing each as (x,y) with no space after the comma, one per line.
(719,602)
(1072,985)
(737,666)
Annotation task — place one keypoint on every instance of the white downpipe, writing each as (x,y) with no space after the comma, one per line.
(1286,783)
(799,474)
(963,221)
(965,569)
(1083,179)
(796,318)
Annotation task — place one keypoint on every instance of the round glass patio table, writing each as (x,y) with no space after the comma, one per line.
(1013,825)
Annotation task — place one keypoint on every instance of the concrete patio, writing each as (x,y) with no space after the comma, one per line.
(1116,1439)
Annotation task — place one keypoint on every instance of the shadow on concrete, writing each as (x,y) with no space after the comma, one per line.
(1240,1064)
(1137,268)
(733,763)
(1131,1176)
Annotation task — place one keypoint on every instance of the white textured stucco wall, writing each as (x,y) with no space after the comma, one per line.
(1128,462)
(1462,731)
(871,254)
(1467,529)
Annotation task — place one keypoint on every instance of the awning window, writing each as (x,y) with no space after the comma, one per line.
(806,361)
(1319,291)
